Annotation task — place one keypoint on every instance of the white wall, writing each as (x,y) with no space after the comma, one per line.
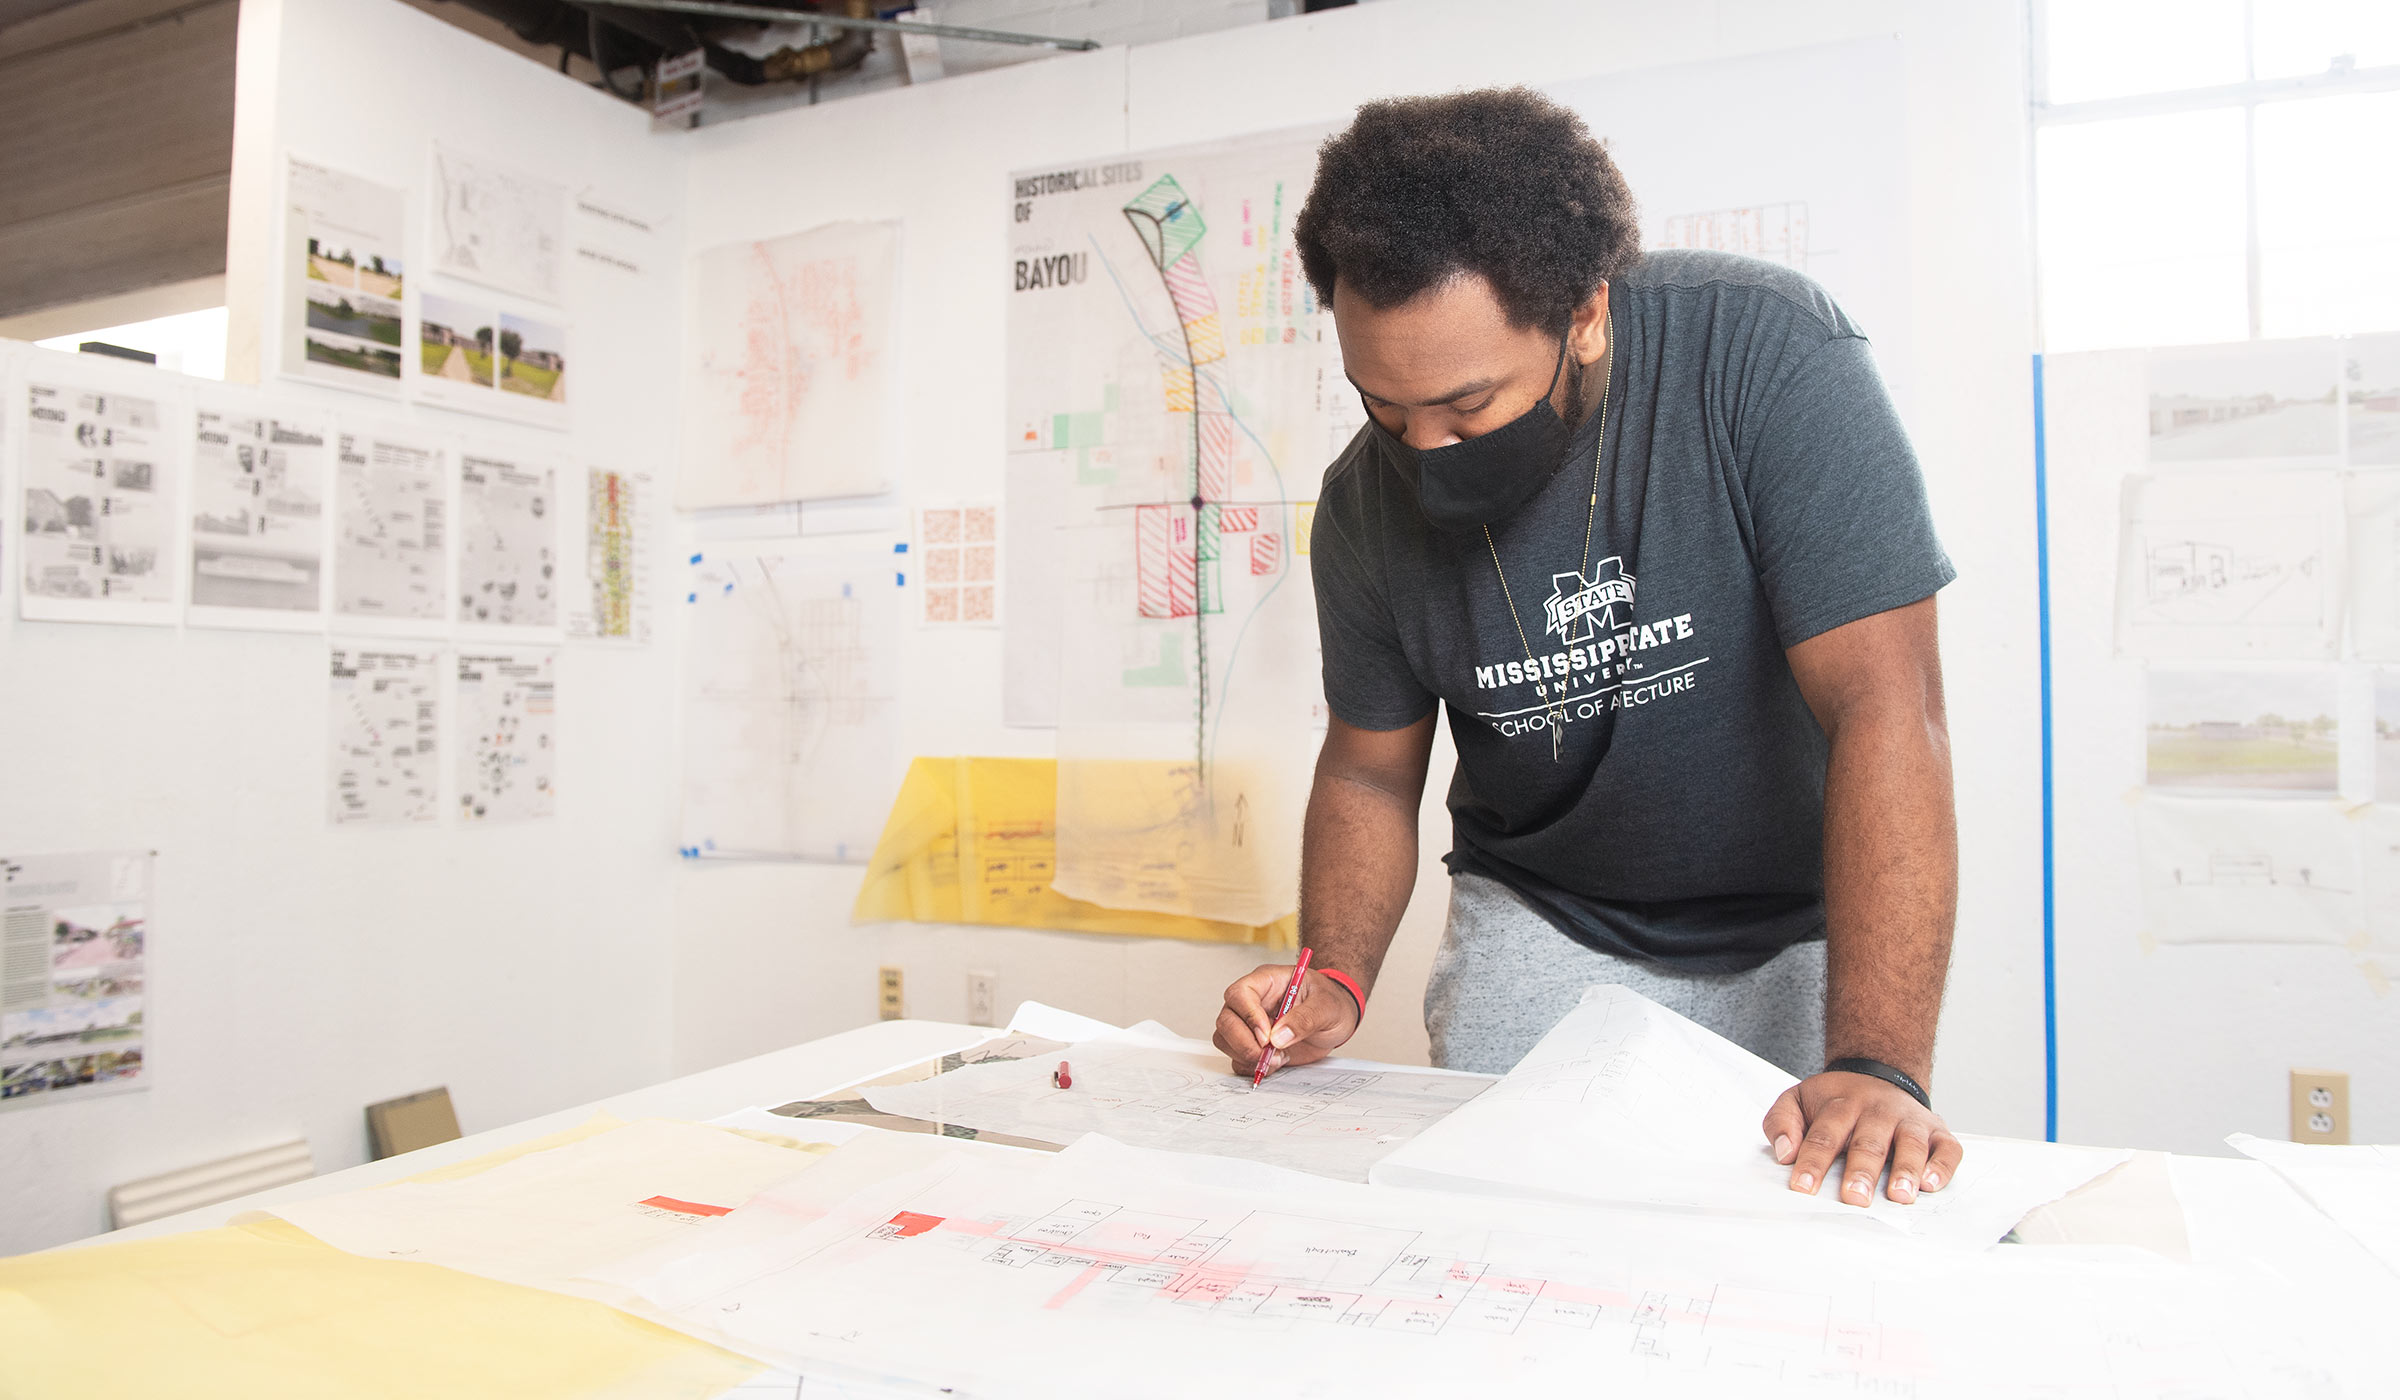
(2162,1045)
(299,973)
(765,955)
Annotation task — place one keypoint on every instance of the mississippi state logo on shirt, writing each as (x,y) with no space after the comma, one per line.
(1579,606)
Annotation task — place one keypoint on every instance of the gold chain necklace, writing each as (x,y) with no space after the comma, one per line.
(1558,704)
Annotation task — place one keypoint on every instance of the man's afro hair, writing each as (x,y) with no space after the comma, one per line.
(1501,182)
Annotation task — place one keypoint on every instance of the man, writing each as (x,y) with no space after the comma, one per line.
(1648,524)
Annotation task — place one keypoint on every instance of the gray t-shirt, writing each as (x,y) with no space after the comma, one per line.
(1757,489)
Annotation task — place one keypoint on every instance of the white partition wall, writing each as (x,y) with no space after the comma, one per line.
(298,972)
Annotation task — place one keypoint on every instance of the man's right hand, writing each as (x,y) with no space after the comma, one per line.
(1322,1018)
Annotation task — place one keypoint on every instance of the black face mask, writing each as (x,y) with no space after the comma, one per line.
(1489,478)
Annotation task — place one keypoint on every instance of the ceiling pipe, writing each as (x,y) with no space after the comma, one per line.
(768,14)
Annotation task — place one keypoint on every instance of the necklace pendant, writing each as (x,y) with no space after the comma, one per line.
(1558,737)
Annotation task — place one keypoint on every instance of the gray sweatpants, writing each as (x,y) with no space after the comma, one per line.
(1503,977)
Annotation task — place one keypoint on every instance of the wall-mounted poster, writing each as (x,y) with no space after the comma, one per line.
(345,279)
(74,936)
(99,523)
(259,482)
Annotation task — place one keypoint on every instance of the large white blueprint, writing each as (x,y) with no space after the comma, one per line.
(1107,1270)
(2358,1188)
(1333,1121)
(1624,1102)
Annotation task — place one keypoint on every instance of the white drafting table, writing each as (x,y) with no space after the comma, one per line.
(2233,1209)
(802,1071)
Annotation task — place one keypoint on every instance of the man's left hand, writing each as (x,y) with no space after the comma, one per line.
(1865,1122)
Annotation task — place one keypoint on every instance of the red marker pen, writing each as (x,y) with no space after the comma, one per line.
(1291,993)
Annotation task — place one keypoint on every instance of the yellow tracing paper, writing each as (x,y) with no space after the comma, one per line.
(263,1308)
(975,841)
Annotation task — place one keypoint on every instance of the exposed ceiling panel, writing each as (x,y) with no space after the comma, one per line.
(120,140)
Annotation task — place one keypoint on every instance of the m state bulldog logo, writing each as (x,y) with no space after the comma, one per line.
(1580,607)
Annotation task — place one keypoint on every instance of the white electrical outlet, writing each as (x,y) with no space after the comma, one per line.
(983,999)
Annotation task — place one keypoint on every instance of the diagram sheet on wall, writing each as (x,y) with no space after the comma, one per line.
(1175,393)
(788,396)
(99,523)
(259,483)
(344,279)
(2234,871)
(507,543)
(74,934)
(957,553)
(385,706)
(507,735)
(497,225)
(1062,1275)
(612,537)
(789,677)
(2230,566)
(391,528)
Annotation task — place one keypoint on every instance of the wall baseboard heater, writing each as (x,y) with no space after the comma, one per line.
(210,1182)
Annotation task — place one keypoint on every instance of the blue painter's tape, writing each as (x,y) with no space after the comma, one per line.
(695,558)
(691,597)
(900,548)
(2041,558)
(899,580)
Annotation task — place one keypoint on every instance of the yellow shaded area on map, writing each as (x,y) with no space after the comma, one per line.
(975,841)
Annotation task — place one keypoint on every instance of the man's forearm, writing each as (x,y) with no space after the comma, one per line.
(1358,864)
(1891,885)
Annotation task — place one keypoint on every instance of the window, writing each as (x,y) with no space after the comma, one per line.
(192,342)
(2210,170)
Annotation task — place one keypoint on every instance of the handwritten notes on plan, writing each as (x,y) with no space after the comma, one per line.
(1333,1122)
(1625,1102)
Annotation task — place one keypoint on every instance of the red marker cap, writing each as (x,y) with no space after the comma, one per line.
(1060,1078)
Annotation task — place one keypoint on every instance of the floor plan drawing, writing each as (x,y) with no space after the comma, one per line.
(1198,1272)
(1326,1119)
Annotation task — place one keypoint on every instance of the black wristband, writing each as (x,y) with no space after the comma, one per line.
(1877,1069)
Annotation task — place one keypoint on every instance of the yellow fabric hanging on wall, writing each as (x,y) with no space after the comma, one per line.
(975,841)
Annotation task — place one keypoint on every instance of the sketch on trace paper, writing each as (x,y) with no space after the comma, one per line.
(789,676)
(2229,566)
(790,371)
(498,226)
(1174,396)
